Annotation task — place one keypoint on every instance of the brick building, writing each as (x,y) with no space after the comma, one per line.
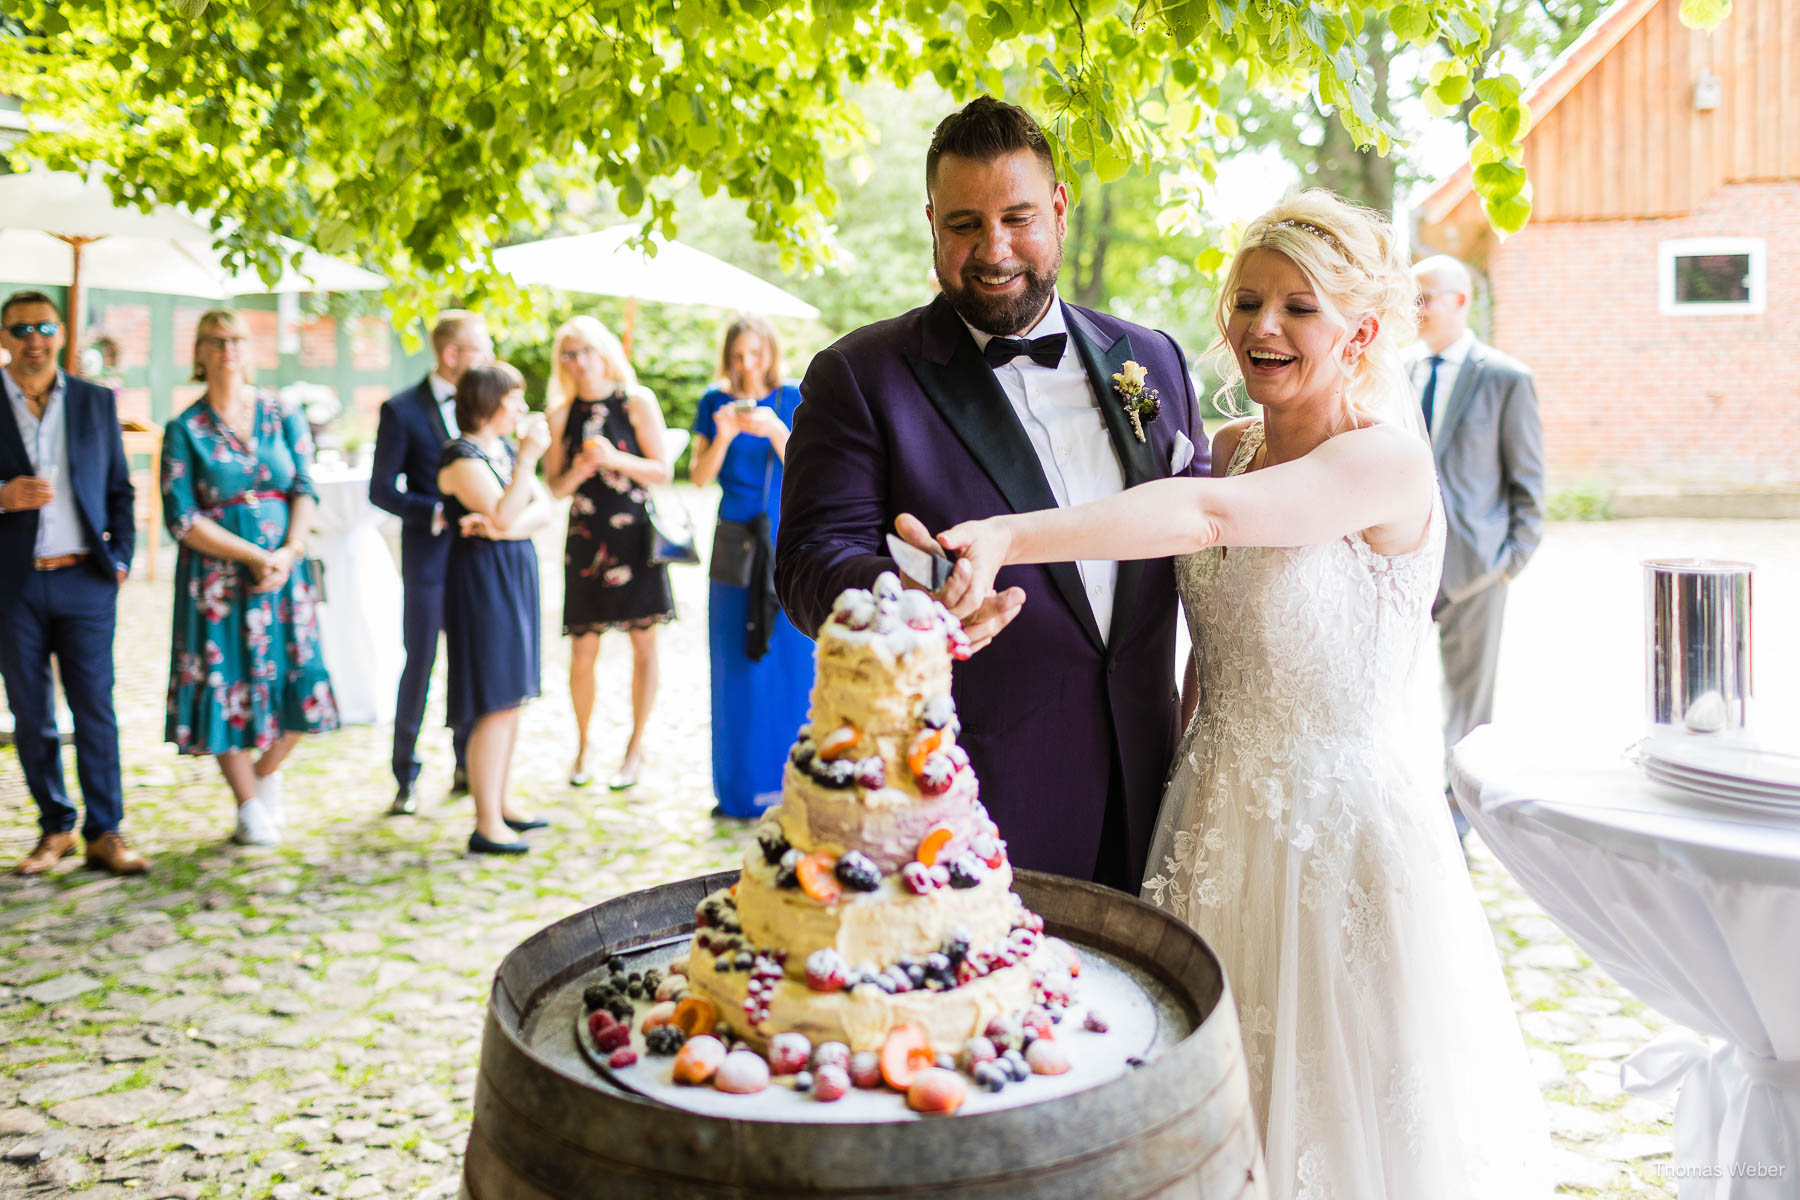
(1656,291)
(148,342)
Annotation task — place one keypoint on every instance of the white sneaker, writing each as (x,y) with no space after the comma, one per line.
(254,828)
(268,790)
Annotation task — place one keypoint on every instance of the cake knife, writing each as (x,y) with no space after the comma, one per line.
(933,569)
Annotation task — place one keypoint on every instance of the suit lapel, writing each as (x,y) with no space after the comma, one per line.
(1472,367)
(1136,459)
(433,413)
(962,387)
(12,442)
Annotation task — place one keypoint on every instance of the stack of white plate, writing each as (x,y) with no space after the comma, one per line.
(1736,771)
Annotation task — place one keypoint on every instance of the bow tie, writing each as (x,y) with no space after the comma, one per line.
(1045,351)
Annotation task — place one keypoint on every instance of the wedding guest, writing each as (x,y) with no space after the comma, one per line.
(1482,411)
(246,673)
(493,504)
(606,449)
(1298,834)
(414,426)
(62,468)
(761,664)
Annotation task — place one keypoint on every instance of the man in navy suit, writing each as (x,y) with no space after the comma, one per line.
(66,537)
(414,426)
(998,397)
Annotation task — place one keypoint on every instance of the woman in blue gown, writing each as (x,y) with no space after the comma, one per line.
(761,665)
(492,504)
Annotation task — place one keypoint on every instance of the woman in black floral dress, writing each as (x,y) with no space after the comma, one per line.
(606,449)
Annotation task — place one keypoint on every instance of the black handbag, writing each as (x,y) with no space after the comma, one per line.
(733,559)
(671,534)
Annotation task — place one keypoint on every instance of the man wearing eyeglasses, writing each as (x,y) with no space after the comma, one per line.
(66,537)
(414,426)
(1482,413)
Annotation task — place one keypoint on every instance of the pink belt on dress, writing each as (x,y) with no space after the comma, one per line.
(218,509)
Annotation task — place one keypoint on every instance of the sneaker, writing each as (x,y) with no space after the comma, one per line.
(268,790)
(253,825)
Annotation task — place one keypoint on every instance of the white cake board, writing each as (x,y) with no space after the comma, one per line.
(1095,1058)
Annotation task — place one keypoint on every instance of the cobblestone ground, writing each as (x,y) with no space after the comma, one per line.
(304,1020)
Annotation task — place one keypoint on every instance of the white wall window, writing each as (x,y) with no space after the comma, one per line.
(1699,277)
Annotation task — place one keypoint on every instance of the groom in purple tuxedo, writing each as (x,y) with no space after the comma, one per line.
(998,397)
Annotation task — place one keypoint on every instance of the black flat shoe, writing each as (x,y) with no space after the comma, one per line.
(524,826)
(481,845)
(405,804)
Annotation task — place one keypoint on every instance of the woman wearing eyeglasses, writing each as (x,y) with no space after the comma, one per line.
(246,673)
(606,450)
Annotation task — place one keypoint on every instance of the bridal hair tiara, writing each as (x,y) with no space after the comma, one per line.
(1318,231)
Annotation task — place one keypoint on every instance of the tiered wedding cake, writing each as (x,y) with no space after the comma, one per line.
(878,894)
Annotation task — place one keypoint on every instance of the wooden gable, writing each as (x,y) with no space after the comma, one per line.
(1644,117)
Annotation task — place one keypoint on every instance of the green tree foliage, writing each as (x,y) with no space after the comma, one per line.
(406,132)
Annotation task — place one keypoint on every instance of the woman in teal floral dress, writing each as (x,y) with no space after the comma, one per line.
(246,673)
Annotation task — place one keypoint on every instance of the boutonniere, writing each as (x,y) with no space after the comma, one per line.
(1140,402)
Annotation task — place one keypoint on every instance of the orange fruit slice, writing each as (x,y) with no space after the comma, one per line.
(695,1015)
(840,742)
(904,1054)
(935,839)
(922,748)
(818,877)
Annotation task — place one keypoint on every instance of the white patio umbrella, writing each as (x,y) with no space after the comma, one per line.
(61,229)
(605,264)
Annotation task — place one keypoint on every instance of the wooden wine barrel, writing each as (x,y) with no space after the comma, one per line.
(548,1127)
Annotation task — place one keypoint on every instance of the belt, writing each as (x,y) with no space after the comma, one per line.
(218,509)
(57,562)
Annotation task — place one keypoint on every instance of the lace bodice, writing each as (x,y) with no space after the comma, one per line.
(1306,642)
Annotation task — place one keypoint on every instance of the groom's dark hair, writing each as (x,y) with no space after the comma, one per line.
(986,129)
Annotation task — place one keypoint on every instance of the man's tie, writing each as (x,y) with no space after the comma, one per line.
(1045,351)
(1430,393)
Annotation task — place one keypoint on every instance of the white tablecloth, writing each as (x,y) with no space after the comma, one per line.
(1696,911)
(360,622)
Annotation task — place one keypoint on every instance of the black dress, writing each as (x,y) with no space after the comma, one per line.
(608,580)
(492,626)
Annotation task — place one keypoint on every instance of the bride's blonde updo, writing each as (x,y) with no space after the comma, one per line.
(1350,255)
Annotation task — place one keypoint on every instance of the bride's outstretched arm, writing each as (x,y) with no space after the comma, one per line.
(1378,478)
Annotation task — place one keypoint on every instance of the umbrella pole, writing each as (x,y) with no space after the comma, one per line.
(72,347)
(630,324)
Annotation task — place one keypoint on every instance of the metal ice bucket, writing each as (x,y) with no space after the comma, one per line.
(1697,630)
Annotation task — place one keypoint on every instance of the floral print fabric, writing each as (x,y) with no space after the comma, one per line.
(244,667)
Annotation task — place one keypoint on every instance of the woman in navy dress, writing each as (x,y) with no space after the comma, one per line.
(492,504)
(246,673)
(761,664)
(606,450)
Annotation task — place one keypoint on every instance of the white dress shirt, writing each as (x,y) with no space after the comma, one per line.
(1057,408)
(47,444)
(1453,357)
(444,392)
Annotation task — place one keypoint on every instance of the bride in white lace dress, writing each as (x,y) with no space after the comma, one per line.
(1296,834)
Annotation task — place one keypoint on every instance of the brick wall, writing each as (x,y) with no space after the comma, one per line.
(318,342)
(1631,396)
(128,325)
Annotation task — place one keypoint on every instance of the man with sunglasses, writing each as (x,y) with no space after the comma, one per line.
(414,426)
(66,537)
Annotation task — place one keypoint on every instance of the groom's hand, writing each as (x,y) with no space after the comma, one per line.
(982,611)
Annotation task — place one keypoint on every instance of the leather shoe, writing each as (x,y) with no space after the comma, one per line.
(526,825)
(108,852)
(406,803)
(481,845)
(51,848)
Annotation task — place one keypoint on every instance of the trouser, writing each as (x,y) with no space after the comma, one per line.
(1469,646)
(70,613)
(422,621)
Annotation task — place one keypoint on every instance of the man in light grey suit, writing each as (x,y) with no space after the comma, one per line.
(1482,412)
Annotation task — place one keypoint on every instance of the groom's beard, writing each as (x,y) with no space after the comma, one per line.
(1002,316)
